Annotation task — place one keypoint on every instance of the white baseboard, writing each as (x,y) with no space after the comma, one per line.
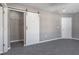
(17,40)
(75,38)
(50,40)
(71,38)
(45,41)
(53,40)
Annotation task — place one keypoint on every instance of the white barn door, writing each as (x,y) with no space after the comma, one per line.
(66,27)
(32,28)
(1,30)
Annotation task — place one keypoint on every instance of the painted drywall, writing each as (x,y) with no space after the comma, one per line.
(16,30)
(49,26)
(50,23)
(75,25)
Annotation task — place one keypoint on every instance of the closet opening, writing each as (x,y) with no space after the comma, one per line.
(16,28)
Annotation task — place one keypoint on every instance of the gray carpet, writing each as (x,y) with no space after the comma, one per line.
(17,44)
(58,47)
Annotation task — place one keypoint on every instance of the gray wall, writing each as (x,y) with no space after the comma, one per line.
(75,25)
(15,25)
(49,22)
(49,26)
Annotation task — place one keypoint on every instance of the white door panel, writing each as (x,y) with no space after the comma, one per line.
(32,31)
(1,30)
(66,27)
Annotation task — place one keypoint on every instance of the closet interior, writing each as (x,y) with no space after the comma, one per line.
(16,28)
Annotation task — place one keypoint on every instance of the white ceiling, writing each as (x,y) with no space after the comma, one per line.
(55,7)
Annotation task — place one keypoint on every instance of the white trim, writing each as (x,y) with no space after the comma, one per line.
(53,40)
(1,30)
(24,27)
(45,41)
(4,4)
(24,12)
(50,40)
(5,29)
(14,9)
(75,38)
(71,38)
(16,40)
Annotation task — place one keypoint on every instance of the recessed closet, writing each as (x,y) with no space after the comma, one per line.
(16,28)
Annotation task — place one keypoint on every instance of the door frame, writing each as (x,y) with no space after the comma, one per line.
(2,26)
(62,28)
(5,27)
(24,12)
